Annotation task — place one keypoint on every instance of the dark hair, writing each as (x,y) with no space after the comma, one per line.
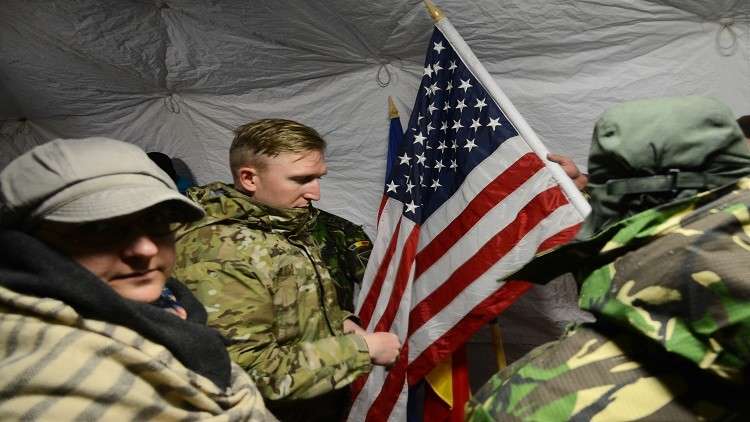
(165,163)
(744,123)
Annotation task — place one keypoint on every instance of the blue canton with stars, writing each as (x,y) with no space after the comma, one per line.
(454,126)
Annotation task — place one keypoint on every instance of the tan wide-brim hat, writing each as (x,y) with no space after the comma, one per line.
(82,180)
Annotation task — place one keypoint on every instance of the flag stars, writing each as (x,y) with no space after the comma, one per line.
(446,106)
(404,159)
(421,158)
(461,105)
(444,126)
(470,144)
(454,145)
(465,85)
(409,186)
(442,146)
(430,128)
(427,71)
(439,165)
(434,88)
(454,165)
(449,87)
(391,187)
(419,118)
(457,125)
(480,104)
(475,124)
(436,68)
(419,138)
(411,207)
(432,107)
(438,46)
(436,184)
(494,123)
(453,66)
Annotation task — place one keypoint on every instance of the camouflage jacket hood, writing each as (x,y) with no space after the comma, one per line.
(691,292)
(224,204)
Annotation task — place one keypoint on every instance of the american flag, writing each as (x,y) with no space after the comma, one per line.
(468,203)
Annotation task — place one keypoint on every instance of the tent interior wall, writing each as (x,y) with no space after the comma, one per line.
(177,76)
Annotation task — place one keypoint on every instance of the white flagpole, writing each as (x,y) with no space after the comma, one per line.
(497,94)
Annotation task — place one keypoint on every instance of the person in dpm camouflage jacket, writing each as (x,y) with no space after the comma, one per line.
(662,265)
(256,262)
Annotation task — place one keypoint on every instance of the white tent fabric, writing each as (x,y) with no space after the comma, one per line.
(178,75)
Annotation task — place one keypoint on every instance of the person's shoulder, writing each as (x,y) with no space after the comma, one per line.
(333,222)
(225,240)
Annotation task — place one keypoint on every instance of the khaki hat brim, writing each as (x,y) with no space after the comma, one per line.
(113,196)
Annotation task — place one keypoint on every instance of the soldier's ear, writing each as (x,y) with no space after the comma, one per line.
(246,179)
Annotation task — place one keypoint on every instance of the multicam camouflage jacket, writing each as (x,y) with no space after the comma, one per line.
(670,288)
(260,274)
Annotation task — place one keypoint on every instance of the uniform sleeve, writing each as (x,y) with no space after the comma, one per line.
(241,305)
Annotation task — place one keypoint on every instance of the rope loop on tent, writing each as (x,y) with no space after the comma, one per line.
(727,27)
(383,83)
(172,103)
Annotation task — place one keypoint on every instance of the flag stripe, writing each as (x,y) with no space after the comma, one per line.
(502,215)
(368,306)
(461,332)
(504,184)
(467,300)
(402,280)
(394,383)
(383,201)
(489,254)
(480,315)
(407,226)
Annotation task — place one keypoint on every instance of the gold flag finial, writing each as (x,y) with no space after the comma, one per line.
(433,10)
(392,110)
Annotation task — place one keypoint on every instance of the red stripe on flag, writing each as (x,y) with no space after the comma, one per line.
(383,201)
(484,311)
(382,406)
(532,213)
(497,190)
(403,276)
(368,306)
(399,285)
(489,308)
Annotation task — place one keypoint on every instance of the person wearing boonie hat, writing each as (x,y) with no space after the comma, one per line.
(87,239)
(662,265)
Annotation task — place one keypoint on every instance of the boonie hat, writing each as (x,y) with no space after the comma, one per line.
(82,180)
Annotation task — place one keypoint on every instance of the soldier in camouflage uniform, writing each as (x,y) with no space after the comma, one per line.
(662,264)
(260,261)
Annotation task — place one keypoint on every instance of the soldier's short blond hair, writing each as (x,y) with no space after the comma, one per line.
(271,137)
